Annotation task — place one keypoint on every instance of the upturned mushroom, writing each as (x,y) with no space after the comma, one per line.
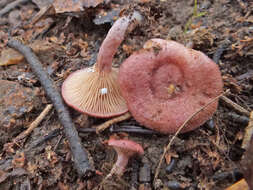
(95,90)
(166,83)
(125,149)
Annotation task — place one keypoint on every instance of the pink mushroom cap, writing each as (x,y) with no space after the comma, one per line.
(165,83)
(125,149)
(128,147)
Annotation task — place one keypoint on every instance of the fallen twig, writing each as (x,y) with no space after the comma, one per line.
(80,155)
(3,3)
(244,120)
(233,174)
(219,51)
(108,123)
(173,185)
(166,149)
(24,134)
(51,135)
(11,6)
(248,132)
(235,106)
(124,128)
(145,176)
(33,125)
(134,174)
(133,129)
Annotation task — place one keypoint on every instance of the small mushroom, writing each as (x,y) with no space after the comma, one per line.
(95,90)
(125,149)
(165,83)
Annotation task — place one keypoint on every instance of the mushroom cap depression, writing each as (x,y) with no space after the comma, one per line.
(127,147)
(94,94)
(165,83)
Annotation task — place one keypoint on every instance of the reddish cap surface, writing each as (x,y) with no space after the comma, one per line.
(165,83)
(125,146)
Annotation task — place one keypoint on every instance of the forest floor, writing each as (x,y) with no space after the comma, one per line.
(68,39)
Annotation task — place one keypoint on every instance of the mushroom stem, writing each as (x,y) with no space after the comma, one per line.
(113,39)
(120,165)
(95,91)
(125,149)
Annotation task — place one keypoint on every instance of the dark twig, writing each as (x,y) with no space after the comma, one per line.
(132,129)
(235,106)
(11,6)
(123,128)
(233,174)
(238,118)
(134,174)
(145,173)
(171,165)
(145,177)
(51,135)
(221,48)
(3,3)
(80,155)
(175,185)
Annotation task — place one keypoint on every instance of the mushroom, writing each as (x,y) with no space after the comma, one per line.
(95,90)
(125,149)
(165,83)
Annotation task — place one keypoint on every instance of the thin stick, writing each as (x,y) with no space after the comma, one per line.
(166,149)
(235,106)
(248,132)
(108,123)
(46,138)
(122,128)
(11,6)
(34,124)
(219,51)
(133,129)
(80,155)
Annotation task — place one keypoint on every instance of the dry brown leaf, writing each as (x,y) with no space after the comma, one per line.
(10,56)
(62,186)
(168,158)
(240,185)
(74,5)
(31,168)
(19,160)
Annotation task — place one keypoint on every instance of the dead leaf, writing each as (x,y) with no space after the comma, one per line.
(10,56)
(168,158)
(42,3)
(240,185)
(19,160)
(74,5)
(62,186)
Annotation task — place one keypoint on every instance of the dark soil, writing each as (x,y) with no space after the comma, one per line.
(206,158)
